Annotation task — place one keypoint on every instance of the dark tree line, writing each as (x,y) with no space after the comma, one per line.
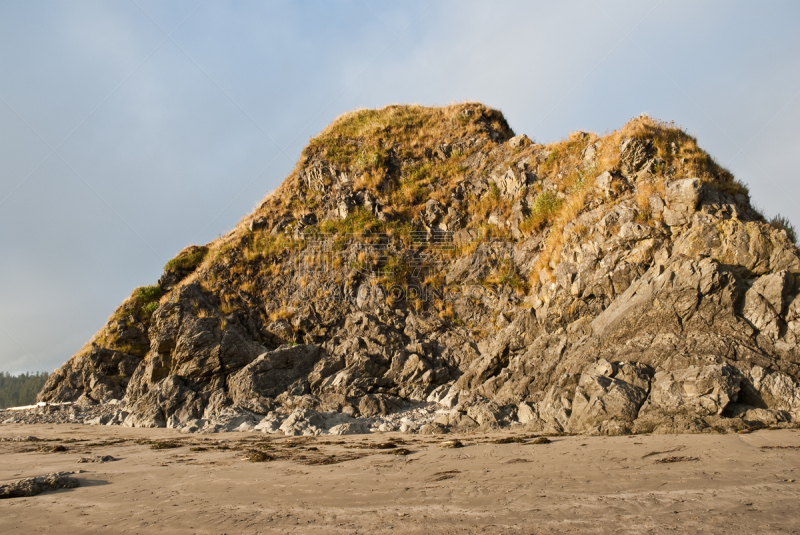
(17,390)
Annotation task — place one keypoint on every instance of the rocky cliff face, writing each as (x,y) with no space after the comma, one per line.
(425,268)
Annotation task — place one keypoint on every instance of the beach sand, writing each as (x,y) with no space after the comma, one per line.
(745,483)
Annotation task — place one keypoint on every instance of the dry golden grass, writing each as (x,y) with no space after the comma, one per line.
(447,312)
(564,156)
(283,313)
(674,146)
(642,197)
(229,304)
(568,211)
(369,180)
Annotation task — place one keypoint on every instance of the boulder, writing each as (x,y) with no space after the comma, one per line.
(526,414)
(635,154)
(512,183)
(683,196)
(485,413)
(459,420)
(700,390)
(765,302)
(303,422)
(377,404)
(758,417)
(519,141)
(771,389)
(608,397)
(353,428)
(433,211)
(33,486)
(284,370)
(271,423)
(433,428)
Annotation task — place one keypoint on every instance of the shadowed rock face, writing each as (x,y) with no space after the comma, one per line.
(600,285)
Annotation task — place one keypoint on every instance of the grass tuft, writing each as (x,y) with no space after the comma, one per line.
(782,223)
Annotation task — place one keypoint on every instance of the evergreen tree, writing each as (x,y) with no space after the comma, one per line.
(18,390)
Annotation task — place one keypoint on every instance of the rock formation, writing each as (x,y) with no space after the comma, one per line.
(426,269)
(34,486)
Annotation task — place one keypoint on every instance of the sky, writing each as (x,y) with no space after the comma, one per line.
(131,129)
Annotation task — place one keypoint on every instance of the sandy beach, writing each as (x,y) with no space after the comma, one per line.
(165,482)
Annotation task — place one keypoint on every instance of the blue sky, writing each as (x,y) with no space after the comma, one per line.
(129,130)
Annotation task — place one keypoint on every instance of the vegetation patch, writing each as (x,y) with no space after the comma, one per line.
(188,259)
(160,444)
(676,459)
(20,390)
(399,451)
(257,456)
(508,440)
(782,223)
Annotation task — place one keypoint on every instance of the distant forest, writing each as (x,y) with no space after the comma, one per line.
(17,390)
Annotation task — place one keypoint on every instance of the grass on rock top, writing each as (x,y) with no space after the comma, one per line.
(429,144)
(187,259)
(359,139)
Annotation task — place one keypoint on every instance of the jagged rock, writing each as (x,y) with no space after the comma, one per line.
(519,141)
(683,196)
(657,206)
(258,223)
(374,404)
(485,413)
(609,184)
(438,394)
(765,302)
(91,375)
(433,211)
(284,370)
(755,416)
(772,389)
(589,154)
(269,424)
(526,414)
(147,414)
(193,426)
(635,154)
(433,428)
(511,183)
(355,428)
(303,422)
(100,420)
(701,390)
(608,397)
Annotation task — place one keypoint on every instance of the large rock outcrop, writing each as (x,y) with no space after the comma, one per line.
(424,259)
